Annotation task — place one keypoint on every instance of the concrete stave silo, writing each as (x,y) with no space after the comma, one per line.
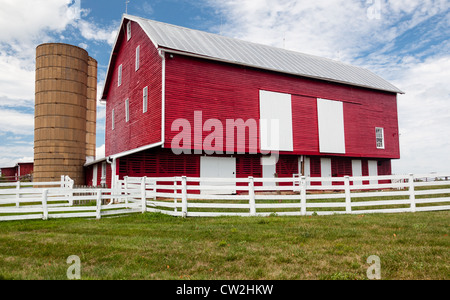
(61,112)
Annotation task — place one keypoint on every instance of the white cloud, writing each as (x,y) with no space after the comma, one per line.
(30,19)
(16,78)
(337,29)
(424,114)
(100,152)
(91,31)
(11,155)
(13,121)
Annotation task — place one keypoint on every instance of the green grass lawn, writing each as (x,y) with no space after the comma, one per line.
(155,246)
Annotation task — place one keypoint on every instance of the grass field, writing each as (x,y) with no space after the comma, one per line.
(155,246)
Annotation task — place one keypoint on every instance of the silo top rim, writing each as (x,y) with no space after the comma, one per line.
(67,45)
(62,44)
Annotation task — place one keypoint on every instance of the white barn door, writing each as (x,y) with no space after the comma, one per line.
(269,168)
(218,167)
(325,168)
(373,170)
(357,170)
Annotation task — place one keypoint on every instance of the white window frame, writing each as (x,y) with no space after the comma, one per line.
(138,50)
(127,110)
(128,30)
(119,76)
(145,99)
(379,136)
(113,120)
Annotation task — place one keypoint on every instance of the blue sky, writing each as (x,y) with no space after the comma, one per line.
(405,41)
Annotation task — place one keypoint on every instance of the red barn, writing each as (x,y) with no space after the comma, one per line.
(186,102)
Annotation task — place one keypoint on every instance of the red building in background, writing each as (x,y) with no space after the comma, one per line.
(21,171)
(186,102)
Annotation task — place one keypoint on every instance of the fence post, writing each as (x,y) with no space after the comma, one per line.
(143,195)
(175,192)
(412,196)
(99,205)
(251,193)
(18,193)
(184,203)
(348,198)
(44,204)
(69,185)
(303,195)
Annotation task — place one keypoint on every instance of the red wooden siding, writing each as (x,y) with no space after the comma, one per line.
(143,128)
(287,166)
(10,173)
(305,124)
(159,163)
(341,167)
(384,168)
(224,91)
(88,175)
(26,168)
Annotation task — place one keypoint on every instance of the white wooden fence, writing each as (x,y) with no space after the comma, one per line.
(210,197)
(46,200)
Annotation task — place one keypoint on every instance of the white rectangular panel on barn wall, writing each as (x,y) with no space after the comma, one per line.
(325,169)
(331,126)
(276,121)
(269,168)
(373,170)
(357,170)
(218,167)
(94,176)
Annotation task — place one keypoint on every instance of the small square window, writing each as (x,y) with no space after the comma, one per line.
(379,132)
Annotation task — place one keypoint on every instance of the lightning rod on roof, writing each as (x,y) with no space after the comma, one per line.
(126,6)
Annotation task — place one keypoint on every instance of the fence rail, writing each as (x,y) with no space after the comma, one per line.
(210,197)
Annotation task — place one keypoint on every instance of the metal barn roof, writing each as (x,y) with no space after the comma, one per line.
(235,51)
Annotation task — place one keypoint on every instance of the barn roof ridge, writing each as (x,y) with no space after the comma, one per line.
(213,46)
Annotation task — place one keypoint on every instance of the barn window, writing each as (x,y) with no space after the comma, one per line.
(119,76)
(112,120)
(128,31)
(127,110)
(379,132)
(138,50)
(145,99)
